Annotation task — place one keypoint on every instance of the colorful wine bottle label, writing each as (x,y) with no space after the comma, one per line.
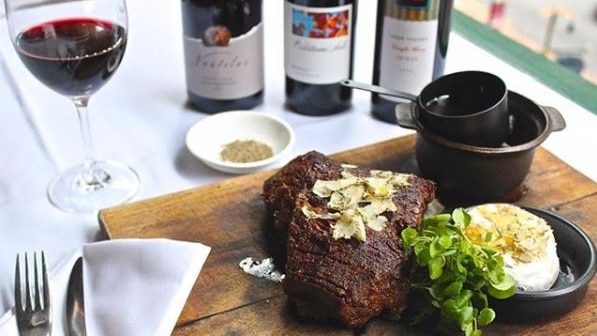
(408,48)
(223,67)
(317,43)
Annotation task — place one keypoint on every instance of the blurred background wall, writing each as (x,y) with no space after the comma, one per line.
(564,31)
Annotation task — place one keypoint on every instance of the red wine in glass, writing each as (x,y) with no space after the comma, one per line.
(74,47)
(74,57)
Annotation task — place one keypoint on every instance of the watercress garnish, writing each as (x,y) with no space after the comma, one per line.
(461,274)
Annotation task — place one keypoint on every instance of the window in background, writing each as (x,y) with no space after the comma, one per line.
(563,31)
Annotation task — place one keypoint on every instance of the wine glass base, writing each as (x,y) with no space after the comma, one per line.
(84,189)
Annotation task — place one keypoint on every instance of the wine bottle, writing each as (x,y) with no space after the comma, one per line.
(318,51)
(223,53)
(411,43)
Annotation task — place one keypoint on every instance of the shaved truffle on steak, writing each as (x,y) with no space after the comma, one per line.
(342,279)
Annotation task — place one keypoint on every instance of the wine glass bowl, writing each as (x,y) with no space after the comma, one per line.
(74,57)
(74,47)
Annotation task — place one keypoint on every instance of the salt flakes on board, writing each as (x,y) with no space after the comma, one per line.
(261,268)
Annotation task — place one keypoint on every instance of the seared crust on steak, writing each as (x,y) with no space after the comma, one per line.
(345,279)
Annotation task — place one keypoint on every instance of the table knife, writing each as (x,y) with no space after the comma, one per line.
(75,303)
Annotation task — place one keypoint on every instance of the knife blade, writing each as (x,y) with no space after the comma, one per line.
(75,303)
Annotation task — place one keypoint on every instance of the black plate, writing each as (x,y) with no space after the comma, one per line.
(578,263)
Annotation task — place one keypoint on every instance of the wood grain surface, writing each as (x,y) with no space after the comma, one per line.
(231,218)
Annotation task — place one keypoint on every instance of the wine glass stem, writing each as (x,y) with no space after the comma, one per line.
(82,113)
(92,178)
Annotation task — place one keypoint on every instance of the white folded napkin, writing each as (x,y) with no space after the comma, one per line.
(132,286)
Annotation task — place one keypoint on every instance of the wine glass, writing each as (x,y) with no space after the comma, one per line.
(74,47)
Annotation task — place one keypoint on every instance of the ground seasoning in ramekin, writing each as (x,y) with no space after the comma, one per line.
(242,151)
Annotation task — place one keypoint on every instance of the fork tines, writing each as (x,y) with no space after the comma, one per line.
(33,311)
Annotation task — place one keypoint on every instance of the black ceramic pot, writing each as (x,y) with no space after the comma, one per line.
(470,173)
(469,107)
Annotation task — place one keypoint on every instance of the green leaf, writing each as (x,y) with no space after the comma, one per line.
(450,309)
(490,251)
(420,247)
(488,236)
(408,236)
(507,283)
(436,219)
(461,218)
(461,274)
(501,294)
(486,316)
(436,267)
(453,289)
(449,252)
(464,298)
(460,269)
(467,328)
(423,257)
(437,291)
(445,242)
(465,316)
(477,283)
(435,249)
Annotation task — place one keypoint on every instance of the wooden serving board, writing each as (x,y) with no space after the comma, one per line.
(230,217)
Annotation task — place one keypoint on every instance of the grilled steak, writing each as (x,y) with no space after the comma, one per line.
(347,280)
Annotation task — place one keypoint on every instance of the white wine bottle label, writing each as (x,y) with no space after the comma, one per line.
(221,67)
(317,43)
(407,54)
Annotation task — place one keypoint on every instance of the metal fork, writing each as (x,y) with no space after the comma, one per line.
(34,316)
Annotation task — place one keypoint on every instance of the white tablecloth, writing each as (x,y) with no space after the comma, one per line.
(140,118)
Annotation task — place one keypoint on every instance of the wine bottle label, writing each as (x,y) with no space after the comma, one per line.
(219,66)
(407,54)
(317,43)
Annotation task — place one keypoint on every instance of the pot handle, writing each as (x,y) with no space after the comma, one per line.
(555,117)
(377,89)
(404,116)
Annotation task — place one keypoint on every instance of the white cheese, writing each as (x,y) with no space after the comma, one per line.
(526,242)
